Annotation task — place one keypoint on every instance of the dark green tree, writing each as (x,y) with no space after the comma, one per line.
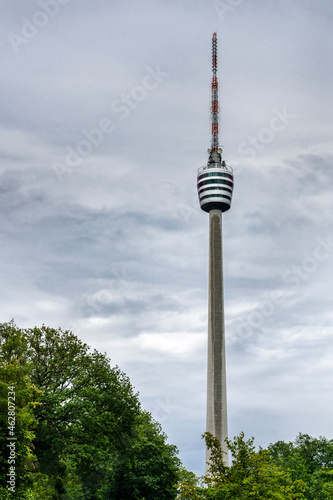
(92,439)
(150,468)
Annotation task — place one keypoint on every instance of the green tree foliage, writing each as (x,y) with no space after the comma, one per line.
(251,475)
(302,469)
(149,469)
(91,439)
(18,399)
(310,460)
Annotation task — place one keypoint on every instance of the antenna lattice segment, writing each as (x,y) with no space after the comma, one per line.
(215,97)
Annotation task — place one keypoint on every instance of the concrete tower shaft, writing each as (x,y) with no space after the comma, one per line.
(217,420)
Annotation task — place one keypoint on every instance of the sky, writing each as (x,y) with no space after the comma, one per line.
(104,121)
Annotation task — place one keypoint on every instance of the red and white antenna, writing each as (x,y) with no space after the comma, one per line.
(215,98)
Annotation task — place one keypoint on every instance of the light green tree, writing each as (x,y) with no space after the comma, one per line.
(310,460)
(252,474)
(19,398)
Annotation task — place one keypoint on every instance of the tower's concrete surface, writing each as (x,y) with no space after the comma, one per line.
(217,422)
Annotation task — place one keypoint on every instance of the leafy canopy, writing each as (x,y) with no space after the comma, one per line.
(84,435)
(252,474)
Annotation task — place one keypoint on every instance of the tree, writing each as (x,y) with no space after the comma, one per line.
(251,475)
(18,399)
(92,439)
(310,460)
(150,467)
(189,486)
(87,415)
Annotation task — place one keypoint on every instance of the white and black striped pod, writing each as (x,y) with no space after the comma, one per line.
(215,183)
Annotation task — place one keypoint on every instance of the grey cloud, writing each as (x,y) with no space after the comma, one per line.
(117,248)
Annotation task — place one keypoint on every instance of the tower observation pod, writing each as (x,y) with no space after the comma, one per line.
(215,186)
(215,182)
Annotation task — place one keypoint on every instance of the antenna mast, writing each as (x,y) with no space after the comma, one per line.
(215,151)
(215,97)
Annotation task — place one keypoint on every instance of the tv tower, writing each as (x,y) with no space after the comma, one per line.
(215,185)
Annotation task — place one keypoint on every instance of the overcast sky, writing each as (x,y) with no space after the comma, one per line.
(104,122)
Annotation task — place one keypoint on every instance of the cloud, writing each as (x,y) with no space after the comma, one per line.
(100,228)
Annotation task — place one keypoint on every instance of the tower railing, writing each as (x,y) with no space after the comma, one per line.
(220,166)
